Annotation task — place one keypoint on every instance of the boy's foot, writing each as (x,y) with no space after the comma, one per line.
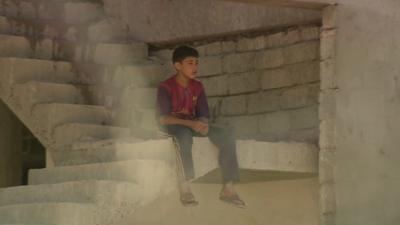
(233,199)
(187,199)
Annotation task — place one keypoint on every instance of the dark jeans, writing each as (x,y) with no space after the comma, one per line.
(220,137)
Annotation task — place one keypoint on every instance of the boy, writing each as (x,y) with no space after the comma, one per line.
(183,113)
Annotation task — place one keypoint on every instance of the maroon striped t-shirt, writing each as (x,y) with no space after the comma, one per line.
(183,102)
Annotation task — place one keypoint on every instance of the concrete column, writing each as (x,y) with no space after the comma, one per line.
(327,115)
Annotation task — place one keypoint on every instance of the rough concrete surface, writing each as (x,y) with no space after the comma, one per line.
(367,182)
(164,20)
(273,203)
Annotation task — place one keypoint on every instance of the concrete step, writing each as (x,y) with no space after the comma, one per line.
(67,134)
(50,115)
(145,119)
(22,47)
(20,224)
(258,161)
(71,12)
(22,70)
(37,28)
(18,70)
(144,74)
(160,149)
(107,30)
(99,192)
(35,92)
(157,177)
(52,213)
(108,53)
(140,98)
(102,53)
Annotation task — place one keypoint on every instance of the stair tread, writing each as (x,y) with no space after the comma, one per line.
(116,171)
(157,149)
(46,203)
(102,164)
(72,105)
(48,213)
(95,126)
(85,191)
(48,48)
(60,10)
(144,63)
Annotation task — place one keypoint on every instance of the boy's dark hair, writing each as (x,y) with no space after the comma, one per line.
(182,52)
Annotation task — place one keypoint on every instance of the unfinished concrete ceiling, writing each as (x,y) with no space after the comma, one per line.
(156,21)
(306,4)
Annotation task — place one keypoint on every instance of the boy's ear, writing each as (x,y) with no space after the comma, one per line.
(177,65)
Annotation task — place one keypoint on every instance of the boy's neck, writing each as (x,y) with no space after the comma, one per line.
(182,80)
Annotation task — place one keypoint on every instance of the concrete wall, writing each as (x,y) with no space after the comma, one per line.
(166,20)
(266,86)
(10,148)
(367,113)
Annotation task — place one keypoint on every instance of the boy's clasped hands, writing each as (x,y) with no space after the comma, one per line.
(200,127)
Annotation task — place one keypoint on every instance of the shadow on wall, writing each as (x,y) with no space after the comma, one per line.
(33,154)
(20,150)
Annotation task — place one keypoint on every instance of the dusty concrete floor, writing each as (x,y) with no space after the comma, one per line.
(274,203)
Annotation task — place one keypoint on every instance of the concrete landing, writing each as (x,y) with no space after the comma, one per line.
(76,132)
(293,202)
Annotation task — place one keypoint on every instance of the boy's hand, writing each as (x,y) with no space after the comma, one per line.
(200,127)
(204,130)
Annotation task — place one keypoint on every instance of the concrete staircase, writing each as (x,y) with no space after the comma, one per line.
(53,52)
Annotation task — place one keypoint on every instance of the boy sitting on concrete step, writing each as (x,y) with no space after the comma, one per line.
(184,113)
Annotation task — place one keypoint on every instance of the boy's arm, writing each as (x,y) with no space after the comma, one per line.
(202,110)
(165,118)
(196,125)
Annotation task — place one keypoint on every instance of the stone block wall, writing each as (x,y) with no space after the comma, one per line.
(266,86)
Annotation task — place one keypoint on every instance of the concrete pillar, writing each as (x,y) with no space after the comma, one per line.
(327,115)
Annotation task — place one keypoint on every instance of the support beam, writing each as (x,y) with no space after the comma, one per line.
(306,4)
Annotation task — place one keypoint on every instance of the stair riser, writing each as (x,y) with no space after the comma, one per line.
(110,54)
(140,98)
(68,12)
(145,119)
(252,155)
(18,46)
(15,71)
(99,193)
(60,214)
(30,94)
(156,150)
(69,134)
(33,28)
(106,31)
(156,177)
(49,116)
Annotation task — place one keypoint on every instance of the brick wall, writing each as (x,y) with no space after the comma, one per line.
(266,87)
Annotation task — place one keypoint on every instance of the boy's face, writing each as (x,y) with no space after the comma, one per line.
(188,67)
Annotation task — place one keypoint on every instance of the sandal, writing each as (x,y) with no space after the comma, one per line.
(233,199)
(187,199)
